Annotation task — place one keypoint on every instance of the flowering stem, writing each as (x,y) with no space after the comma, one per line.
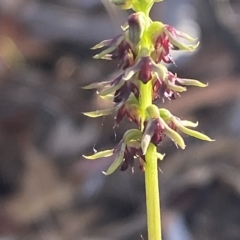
(151,173)
(152,195)
(145,99)
(142,49)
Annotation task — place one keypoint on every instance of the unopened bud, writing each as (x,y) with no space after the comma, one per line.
(152,111)
(136,27)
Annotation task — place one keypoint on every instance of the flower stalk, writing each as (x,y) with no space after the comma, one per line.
(152,194)
(141,50)
(151,172)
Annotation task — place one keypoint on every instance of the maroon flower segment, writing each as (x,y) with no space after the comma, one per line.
(127,59)
(162,49)
(162,45)
(122,94)
(132,152)
(130,155)
(145,73)
(154,129)
(161,91)
(131,111)
(122,51)
(172,125)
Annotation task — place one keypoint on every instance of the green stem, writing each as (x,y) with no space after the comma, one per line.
(151,173)
(152,194)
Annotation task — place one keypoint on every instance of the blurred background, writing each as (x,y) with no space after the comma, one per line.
(47,190)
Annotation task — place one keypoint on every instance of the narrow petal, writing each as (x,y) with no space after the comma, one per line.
(174,136)
(107,97)
(187,123)
(185,35)
(180,45)
(117,162)
(145,142)
(111,89)
(102,154)
(97,85)
(99,113)
(107,57)
(175,87)
(105,52)
(191,82)
(104,43)
(194,133)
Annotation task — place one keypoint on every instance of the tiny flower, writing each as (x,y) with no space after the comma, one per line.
(126,58)
(124,52)
(124,153)
(182,125)
(145,67)
(131,110)
(117,48)
(155,128)
(124,95)
(165,38)
(118,88)
(160,90)
(171,86)
(111,44)
(173,33)
(133,151)
(110,87)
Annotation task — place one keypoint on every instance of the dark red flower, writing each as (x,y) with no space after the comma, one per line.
(130,154)
(145,67)
(130,109)
(154,128)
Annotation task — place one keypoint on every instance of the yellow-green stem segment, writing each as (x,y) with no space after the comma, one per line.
(151,165)
(152,194)
(151,173)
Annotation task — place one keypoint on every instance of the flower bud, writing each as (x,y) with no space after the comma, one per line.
(152,111)
(136,28)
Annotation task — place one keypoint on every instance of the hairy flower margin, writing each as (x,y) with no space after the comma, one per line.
(141,50)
